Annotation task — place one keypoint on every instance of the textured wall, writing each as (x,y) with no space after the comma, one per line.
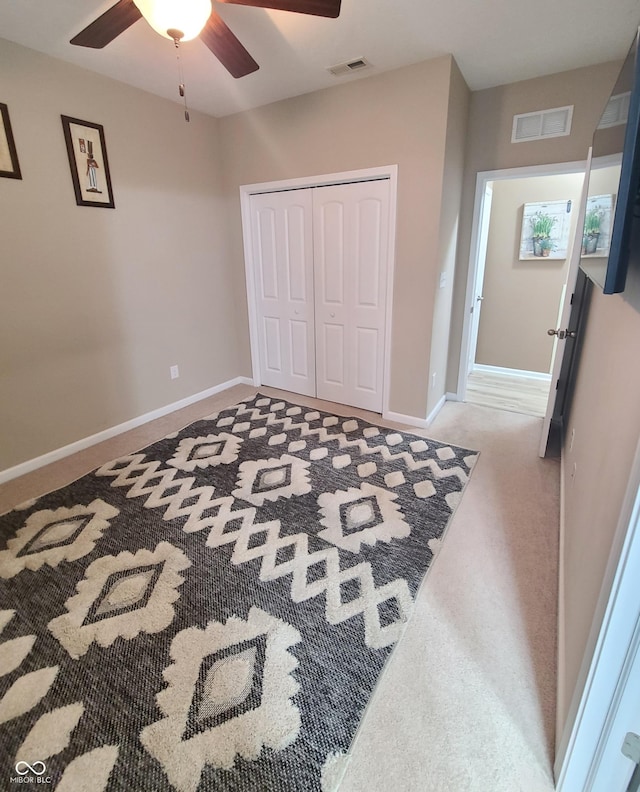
(605,422)
(96,304)
(489,148)
(457,119)
(398,117)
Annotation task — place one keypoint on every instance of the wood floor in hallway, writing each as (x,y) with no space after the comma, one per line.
(510,392)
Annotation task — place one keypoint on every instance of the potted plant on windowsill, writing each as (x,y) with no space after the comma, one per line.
(541,227)
(591,232)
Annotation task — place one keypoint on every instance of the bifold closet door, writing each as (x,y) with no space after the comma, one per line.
(282,238)
(350,234)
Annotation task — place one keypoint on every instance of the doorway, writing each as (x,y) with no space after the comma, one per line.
(515,292)
(319,266)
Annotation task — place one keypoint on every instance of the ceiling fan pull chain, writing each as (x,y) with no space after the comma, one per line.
(181,90)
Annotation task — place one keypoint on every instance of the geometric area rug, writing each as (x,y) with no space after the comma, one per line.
(213,612)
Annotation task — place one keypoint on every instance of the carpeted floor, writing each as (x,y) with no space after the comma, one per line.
(467,700)
(215,611)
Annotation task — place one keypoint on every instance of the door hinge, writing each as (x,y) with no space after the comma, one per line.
(631,749)
(562,334)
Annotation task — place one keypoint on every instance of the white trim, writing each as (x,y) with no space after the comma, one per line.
(564,311)
(322,180)
(451,396)
(389,172)
(409,420)
(434,413)
(509,372)
(249,272)
(609,769)
(606,655)
(469,299)
(79,445)
(481,181)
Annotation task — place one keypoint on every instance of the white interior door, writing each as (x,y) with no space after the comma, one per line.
(282,240)
(483,240)
(350,228)
(564,312)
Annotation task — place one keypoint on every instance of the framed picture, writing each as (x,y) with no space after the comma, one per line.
(545,230)
(9,166)
(596,233)
(88,161)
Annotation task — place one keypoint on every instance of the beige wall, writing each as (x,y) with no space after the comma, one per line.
(605,421)
(97,304)
(457,119)
(522,297)
(605,413)
(489,148)
(398,117)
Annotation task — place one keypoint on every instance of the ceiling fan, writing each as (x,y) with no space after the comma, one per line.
(212,30)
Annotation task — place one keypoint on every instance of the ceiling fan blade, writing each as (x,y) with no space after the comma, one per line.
(325,8)
(226,47)
(108,26)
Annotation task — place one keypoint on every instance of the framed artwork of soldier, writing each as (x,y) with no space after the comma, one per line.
(9,166)
(88,162)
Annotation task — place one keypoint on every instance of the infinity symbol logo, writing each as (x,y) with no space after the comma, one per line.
(37,768)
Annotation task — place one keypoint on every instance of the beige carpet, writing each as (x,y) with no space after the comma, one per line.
(467,702)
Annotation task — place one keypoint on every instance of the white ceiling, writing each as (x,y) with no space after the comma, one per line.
(493,41)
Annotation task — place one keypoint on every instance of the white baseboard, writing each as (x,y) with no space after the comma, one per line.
(536,375)
(410,420)
(434,413)
(449,396)
(86,442)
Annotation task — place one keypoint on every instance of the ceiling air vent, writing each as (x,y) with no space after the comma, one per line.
(341,69)
(542,124)
(616,112)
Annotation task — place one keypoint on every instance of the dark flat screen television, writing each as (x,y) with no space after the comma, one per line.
(614,184)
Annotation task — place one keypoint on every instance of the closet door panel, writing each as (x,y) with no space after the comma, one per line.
(282,237)
(350,245)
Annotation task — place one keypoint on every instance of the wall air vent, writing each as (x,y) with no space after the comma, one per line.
(616,112)
(542,124)
(340,69)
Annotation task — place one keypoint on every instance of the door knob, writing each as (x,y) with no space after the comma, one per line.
(562,334)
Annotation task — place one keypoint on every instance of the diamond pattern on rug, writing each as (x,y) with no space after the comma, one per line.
(365,514)
(50,537)
(203,452)
(51,733)
(121,596)
(229,693)
(214,611)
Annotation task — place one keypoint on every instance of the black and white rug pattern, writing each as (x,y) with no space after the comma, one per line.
(213,612)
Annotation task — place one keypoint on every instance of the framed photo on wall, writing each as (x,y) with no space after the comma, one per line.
(596,233)
(545,230)
(9,166)
(87,152)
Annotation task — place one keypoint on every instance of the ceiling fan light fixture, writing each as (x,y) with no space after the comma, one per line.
(187,17)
